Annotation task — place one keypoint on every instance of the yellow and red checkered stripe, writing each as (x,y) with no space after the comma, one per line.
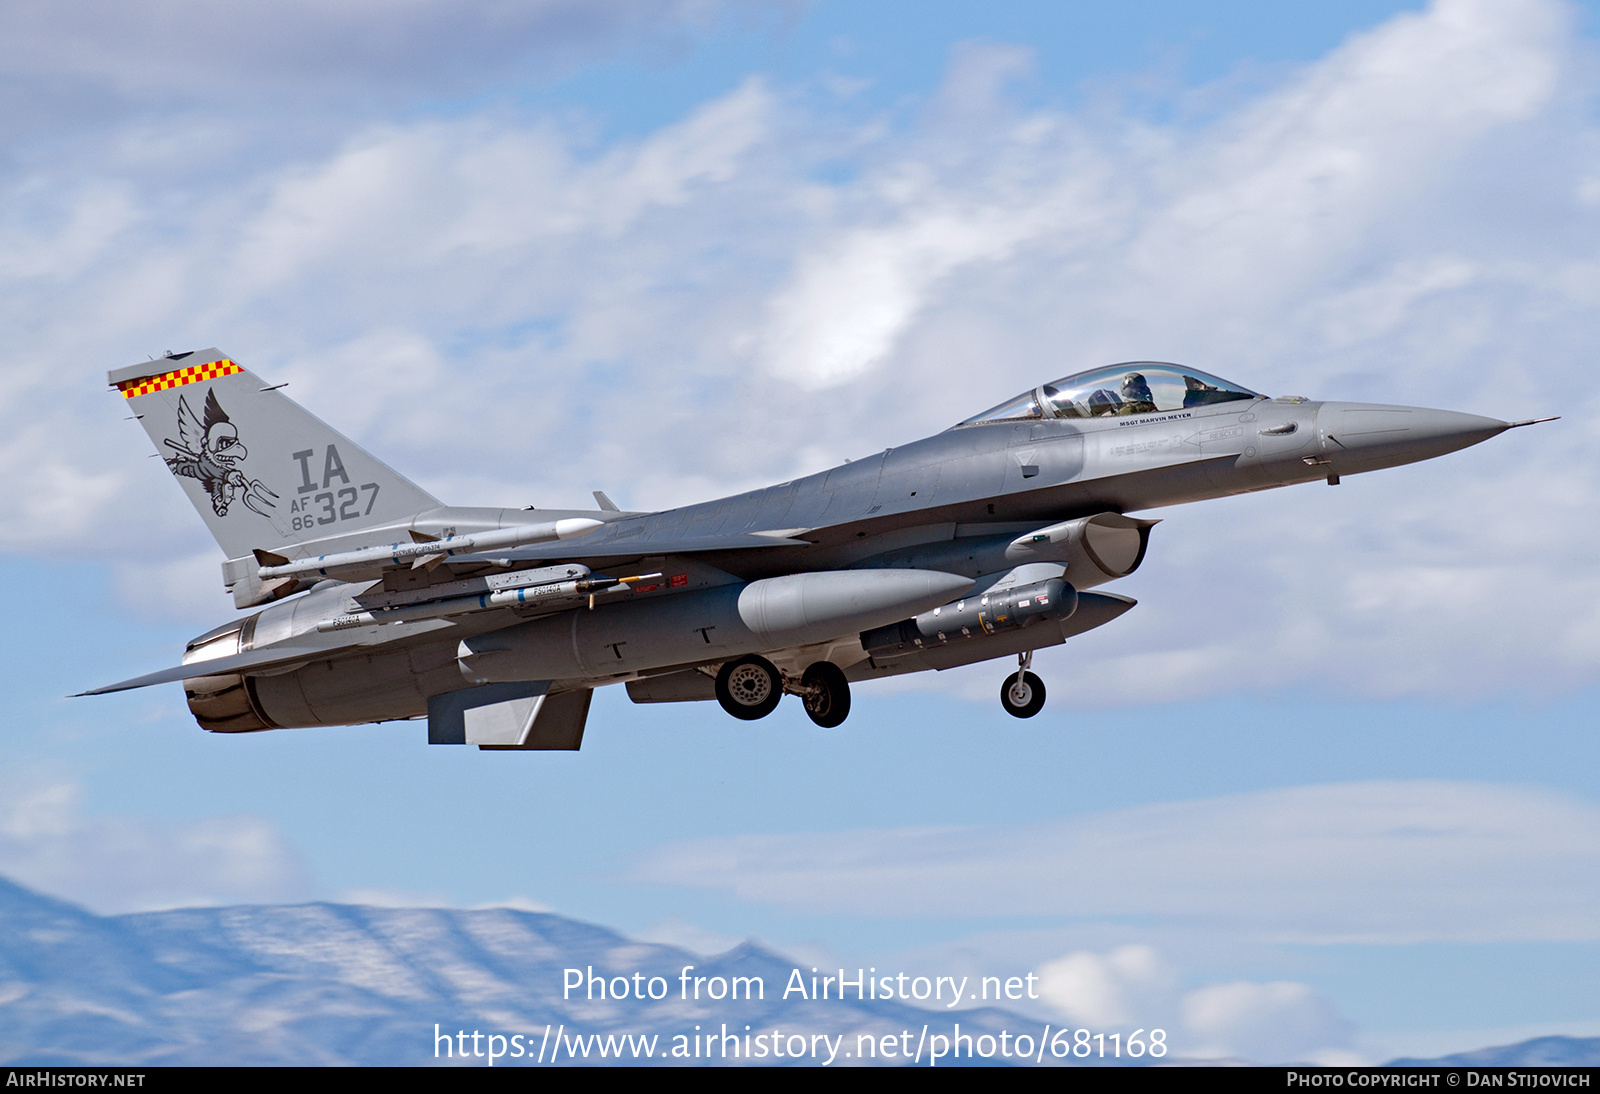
(208,371)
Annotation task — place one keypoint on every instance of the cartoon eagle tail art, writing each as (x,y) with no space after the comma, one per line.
(209,450)
(264,474)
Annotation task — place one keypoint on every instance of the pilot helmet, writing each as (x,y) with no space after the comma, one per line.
(1135,389)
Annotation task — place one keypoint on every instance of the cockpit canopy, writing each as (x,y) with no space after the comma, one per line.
(1136,387)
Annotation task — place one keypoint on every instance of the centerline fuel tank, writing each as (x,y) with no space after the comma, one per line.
(706,625)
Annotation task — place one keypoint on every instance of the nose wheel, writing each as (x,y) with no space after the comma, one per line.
(749,688)
(1022,693)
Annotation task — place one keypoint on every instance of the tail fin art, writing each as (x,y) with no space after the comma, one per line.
(262,472)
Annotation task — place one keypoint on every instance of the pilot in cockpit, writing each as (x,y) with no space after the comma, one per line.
(1137,397)
(1126,390)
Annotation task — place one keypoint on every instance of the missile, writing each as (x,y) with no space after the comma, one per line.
(705,625)
(533,596)
(375,599)
(276,567)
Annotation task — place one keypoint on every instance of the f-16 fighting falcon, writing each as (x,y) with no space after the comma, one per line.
(496,625)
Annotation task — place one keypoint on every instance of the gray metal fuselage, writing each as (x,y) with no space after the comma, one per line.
(951,502)
(998,477)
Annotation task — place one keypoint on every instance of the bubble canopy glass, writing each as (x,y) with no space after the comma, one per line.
(1136,387)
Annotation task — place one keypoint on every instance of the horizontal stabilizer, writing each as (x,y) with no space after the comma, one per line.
(271,657)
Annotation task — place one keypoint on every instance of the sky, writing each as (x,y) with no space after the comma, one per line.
(1327,792)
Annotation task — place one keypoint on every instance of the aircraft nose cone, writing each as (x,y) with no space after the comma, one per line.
(1370,435)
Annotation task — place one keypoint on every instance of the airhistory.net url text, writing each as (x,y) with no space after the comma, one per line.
(557,1045)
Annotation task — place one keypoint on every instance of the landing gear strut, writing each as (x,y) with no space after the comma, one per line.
(749,688)
(1022,695)
(826,694)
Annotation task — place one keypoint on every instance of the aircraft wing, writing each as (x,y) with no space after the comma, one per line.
(271,657)
(611,546)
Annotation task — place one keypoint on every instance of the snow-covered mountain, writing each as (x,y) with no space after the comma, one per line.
(345,984)
(341,984)
(1539,1052)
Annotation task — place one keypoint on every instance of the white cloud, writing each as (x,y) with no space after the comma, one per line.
(188,589)
(392,898)
(1273,1023)
(176,49)
(1130,985)
(125,864)
(1374,862)
(848,305)
(479,196)
(514,310)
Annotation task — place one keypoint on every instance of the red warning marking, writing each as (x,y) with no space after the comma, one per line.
(679,580)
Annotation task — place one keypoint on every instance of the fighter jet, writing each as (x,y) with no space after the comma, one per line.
(984,541)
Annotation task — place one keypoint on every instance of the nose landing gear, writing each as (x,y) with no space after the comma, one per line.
(1022,695)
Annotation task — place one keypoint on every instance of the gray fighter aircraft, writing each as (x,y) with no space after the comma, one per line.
(979,542)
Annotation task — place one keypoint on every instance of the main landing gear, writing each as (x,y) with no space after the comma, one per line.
(1022,695)
(826,694)
(750,687)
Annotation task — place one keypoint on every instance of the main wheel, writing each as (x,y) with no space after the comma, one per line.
(749,688)
(828,703)
(1022,698)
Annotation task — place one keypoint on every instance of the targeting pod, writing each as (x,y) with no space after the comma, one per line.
(973,617)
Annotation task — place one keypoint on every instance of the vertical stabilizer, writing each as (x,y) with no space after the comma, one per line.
(261,471)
